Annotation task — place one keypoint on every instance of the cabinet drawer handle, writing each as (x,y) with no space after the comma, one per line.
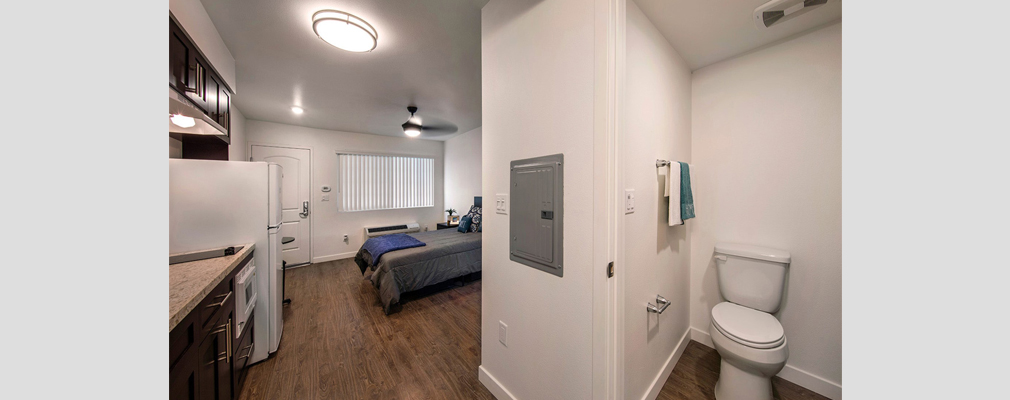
(220,303)
(247,354)
(220,329)
(228,349)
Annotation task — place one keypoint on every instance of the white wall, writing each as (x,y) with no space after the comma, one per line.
(238,150)
(197,23)
(329,225)
(174,148)
(767,171)
(463,170)
(657,256)
(537,83)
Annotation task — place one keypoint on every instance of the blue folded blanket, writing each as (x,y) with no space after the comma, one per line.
(377,246)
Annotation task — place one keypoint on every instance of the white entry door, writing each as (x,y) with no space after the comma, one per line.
(296,202)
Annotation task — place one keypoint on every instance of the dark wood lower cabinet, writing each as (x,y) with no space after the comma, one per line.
(206,359)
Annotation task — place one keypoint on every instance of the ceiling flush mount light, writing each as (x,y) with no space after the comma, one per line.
(297,110)
(344,31)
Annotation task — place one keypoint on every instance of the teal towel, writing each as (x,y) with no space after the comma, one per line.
(686,199)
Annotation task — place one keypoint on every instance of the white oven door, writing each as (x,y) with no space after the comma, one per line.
(245,302)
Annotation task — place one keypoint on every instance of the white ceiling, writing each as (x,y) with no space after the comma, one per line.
(708,31)
(428,55)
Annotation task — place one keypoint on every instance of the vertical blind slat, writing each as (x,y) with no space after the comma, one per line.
(371,182)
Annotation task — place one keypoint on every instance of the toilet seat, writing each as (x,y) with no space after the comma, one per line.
(749,327)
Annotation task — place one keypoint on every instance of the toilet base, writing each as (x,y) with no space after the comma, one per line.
(737,384)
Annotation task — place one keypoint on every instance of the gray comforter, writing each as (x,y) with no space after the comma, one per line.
(447,254)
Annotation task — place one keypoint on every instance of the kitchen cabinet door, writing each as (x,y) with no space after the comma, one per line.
(198,73)
(214,88)
(224,108)
(206,371)
(178,59)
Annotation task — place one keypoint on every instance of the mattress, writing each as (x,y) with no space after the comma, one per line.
(447,254)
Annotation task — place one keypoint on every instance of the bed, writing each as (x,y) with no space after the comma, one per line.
(446,255)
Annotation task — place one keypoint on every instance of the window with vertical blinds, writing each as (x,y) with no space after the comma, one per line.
(373,182)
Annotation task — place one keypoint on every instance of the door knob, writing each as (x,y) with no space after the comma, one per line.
(305,210)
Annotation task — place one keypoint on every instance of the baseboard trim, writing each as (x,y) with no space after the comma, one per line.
(493,385)
(333,257)
(813,382)
(790,373)
(664,374)
(702,337)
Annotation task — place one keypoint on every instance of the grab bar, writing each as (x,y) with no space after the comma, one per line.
(658,310)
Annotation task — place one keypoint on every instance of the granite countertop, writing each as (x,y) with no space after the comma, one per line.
(189,283)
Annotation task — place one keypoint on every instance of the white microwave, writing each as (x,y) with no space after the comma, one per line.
(245,301)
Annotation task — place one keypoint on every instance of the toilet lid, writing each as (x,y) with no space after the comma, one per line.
(747,326)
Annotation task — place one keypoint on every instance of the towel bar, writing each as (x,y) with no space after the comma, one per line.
(662,163)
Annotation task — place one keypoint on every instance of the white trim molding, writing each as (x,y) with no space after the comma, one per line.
(333,257)
(790,373)
(493,385)
(664,374)
(813,382)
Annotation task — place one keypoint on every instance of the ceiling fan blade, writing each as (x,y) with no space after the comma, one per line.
(447,128)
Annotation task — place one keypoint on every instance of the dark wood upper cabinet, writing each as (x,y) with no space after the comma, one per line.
(190,74)
(224,108)
(178,59)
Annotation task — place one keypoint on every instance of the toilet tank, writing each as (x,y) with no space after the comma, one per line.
(751,276)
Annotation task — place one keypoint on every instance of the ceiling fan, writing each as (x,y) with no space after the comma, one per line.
(413,126)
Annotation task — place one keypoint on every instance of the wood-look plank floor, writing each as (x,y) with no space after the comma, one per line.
(697,371)
(338,344)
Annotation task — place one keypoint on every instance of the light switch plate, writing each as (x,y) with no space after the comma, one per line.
(629,201)
(501,204)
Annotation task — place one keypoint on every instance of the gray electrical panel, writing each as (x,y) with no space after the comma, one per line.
(536,218)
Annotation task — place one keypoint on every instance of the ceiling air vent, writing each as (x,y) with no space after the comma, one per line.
(778,11)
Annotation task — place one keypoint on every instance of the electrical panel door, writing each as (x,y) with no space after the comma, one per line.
(537,211)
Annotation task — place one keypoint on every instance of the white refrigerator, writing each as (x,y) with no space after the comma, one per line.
(226,203)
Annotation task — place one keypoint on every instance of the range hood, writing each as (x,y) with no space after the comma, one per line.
(184,117)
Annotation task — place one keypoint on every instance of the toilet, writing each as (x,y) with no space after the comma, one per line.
(747,336)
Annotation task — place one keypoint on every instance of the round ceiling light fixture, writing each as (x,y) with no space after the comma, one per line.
(344,31)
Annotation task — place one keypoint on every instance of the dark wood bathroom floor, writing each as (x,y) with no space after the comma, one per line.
(697,371)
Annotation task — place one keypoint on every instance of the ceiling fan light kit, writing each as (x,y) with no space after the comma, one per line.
(344,31)
(411,128)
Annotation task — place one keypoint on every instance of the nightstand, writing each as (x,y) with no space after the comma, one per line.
(445,225)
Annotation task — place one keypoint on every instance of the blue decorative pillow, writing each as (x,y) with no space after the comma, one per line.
(464,224)
(474,215)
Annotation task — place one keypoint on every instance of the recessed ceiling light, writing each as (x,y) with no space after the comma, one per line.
(297,110)
(182,121)
(344,30)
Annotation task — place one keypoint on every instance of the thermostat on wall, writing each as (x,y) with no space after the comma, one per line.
(326,188)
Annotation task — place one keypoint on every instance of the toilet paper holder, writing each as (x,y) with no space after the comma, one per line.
(664,303)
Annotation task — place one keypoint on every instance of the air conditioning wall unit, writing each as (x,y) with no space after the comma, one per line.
(778,11)
(409,227)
